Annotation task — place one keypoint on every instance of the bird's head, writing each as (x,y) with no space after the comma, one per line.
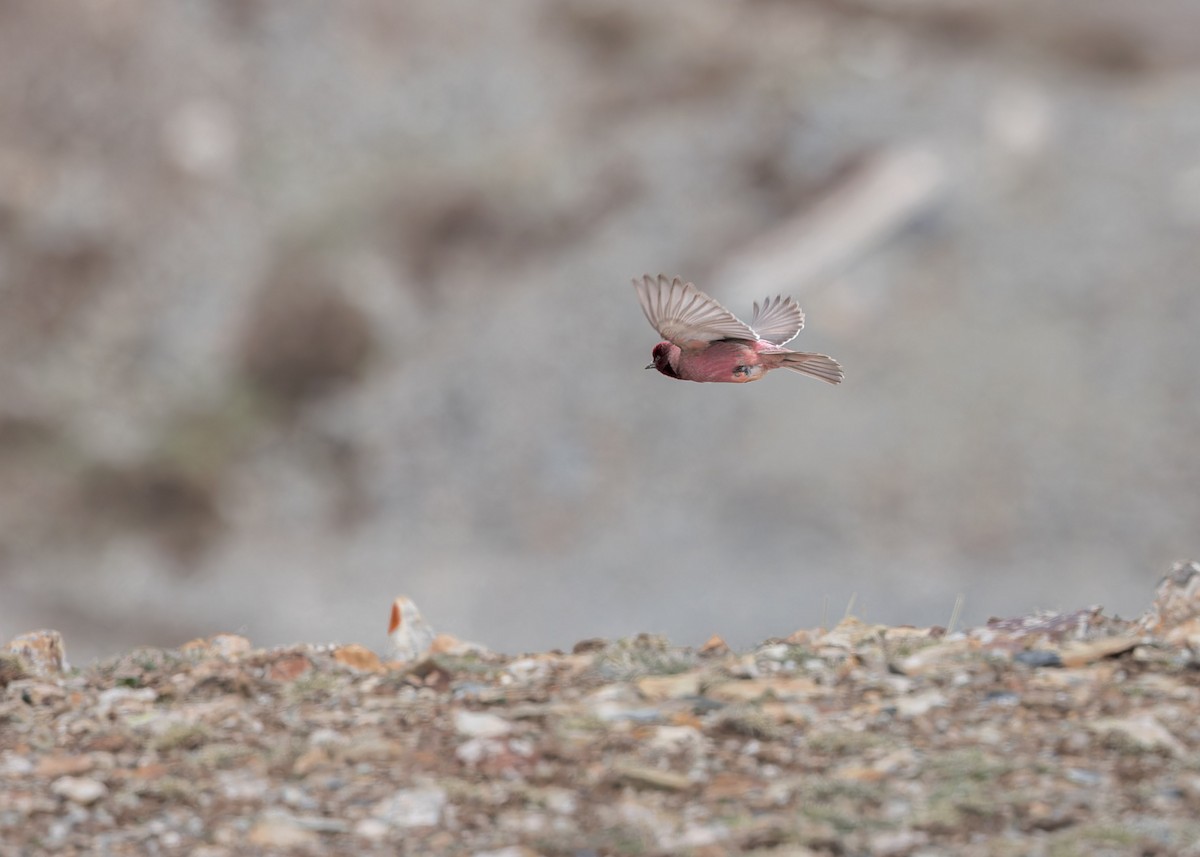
(662,354)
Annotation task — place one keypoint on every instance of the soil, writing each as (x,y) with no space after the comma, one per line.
(1056,734)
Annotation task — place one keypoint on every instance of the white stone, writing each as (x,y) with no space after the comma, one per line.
(480,724)
(14,765)
(561,801)
(371,828)
(325,737)
(82,790)
(123,698)
(415,807)
(474,751)
(922,703)
(675,738)
(528,669)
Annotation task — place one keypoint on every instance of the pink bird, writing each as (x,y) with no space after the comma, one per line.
(706,342)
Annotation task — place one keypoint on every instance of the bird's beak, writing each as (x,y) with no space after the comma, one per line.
(651,366)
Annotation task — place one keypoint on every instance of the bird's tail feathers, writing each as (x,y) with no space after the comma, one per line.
(818,366)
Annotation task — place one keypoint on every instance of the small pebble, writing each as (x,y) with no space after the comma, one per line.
(415,807)
(371,828)
(81,790)
(480,724)
(278,831)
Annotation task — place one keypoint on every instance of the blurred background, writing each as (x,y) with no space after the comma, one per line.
(307,305)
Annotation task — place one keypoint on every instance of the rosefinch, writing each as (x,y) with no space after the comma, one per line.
(706,342)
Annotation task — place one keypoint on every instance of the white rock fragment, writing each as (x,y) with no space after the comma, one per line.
(297,797)
(13,765)
(1143,731)
(372,829)
(560,800)
(240,785)
(325,737)
(523,747)
(922,703)
(662,687)
(474,751)
(414,807)
(528,669)
(672,739)
(81,790)
(480,724)
(619,702)
(511,851)
(774,652)
(897,842)
(277,830)
(124,700)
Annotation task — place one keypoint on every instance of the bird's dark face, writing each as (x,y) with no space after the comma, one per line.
(662,359)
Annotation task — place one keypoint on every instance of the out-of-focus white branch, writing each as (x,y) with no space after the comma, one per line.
(872,203)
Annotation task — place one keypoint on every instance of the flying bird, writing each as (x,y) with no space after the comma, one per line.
(706,342)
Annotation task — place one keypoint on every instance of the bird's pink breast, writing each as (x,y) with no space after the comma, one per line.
(716,361)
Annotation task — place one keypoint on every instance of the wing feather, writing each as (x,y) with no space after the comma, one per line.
(778,320)
(685,316)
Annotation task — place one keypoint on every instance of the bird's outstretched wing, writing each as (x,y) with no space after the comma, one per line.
(777,320)
(685,316)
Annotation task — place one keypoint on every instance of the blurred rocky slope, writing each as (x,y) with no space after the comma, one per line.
(305,305)
(1046,734)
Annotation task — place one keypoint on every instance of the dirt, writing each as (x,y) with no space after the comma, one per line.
(1056,734)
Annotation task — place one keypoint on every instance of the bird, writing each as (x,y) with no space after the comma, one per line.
(410,635)
(705,342)
(412,638)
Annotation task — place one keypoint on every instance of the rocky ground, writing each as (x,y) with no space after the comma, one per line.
(1052,734)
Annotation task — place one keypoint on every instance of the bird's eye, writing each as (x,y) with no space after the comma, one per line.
(741,370)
